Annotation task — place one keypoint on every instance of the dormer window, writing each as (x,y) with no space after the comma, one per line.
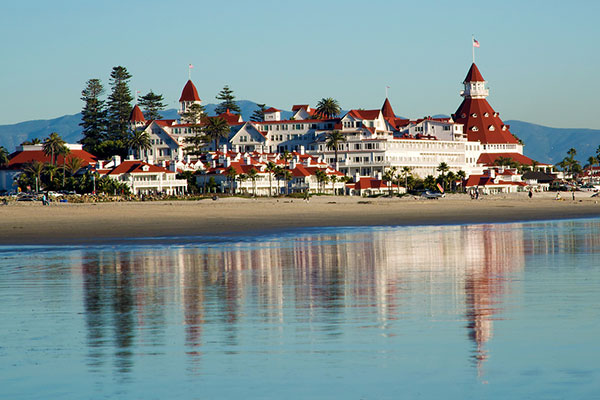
(503,127)
(463,115)
(486,114)
(474,128)
(145,168)
(474,115)
(491,128)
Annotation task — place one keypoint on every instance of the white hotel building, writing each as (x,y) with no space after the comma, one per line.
(376,140)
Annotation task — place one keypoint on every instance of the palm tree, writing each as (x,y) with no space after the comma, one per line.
(287,156)
(52,145)
(50,170)
(429,182)
(241,178)
(35,168)
(451,178)
(64,151)
(333,179)
(231,173)
(345,179)
(322,178)
(74,164)
(3,156)
(389,176)
(462,175)
(271,168)
(592,161)
(252,174)
(139,140)
(328,107)
(332,142)
(405,174)
(32,141)
(442,169)
(215,129)
(287,177)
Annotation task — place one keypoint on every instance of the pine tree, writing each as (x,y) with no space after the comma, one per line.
(93,115)
(227,102)
(259,114)
(119,106)
(152,104)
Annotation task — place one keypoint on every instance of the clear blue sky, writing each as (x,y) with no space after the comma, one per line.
(540,58)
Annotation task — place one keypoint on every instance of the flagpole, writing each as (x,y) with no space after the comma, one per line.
(386,92)
(473,47)
(189,72)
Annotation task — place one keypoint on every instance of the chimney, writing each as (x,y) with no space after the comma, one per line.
(247,159)
(379,176)
(116,160)
(163,164)
(227,162)
(224,149)
(356,177)
(236,148)
(293,163)
(308,161)
(100,164)
(302,150)
(492,173)
(150,160)
(130,158)
(188,159)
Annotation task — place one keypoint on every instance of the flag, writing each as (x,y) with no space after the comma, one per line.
(440,187)
(191,66)
(475,43)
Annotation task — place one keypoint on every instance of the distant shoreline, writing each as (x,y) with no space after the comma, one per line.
(97,223)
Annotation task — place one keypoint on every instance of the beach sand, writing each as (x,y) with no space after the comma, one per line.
(66,223)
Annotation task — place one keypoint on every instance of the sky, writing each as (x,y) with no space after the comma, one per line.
(540,58)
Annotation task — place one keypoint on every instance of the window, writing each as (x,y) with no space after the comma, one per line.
(474,129)
(474,115)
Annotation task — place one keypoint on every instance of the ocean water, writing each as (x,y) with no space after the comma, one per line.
(506,311)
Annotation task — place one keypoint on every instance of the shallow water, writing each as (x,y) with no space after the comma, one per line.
(480,311)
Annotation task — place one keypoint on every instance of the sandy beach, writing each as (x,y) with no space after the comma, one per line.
(65,223)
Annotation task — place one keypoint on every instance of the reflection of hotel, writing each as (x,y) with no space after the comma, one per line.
(379,275)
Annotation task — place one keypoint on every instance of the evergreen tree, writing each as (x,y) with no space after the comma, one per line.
(152,104)
(119,109)
(93,115)
(195,115)
(227,102)
(259,114)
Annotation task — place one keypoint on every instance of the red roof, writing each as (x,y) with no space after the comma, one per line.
(20,158)
(387,110)
(472,113)
(271,110)
(486,180)
(474,75)
(490,158)
(297,107)
(189,92)
(365,114)
(136,167)
(230,118)
(372,183)
(137,115)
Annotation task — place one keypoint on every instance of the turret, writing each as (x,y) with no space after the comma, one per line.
(189,96)
(136,119)
(474,84)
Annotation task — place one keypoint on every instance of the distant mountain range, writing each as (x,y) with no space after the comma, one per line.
(542,143)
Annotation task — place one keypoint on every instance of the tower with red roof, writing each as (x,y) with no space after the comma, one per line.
(481,123)
(189,96)
(136,119)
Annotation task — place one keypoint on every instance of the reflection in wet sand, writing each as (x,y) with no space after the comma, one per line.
(317,281)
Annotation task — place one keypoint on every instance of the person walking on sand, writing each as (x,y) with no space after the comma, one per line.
(573,195)
(530,193)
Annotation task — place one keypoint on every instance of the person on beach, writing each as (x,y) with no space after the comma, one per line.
(557,196)
(530,193)
(573,195)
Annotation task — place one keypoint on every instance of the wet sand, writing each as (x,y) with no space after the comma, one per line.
(60,223)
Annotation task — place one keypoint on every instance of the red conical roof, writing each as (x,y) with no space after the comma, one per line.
(474,75)
(387,110)
(482,123)
(189,92)
(137,115)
